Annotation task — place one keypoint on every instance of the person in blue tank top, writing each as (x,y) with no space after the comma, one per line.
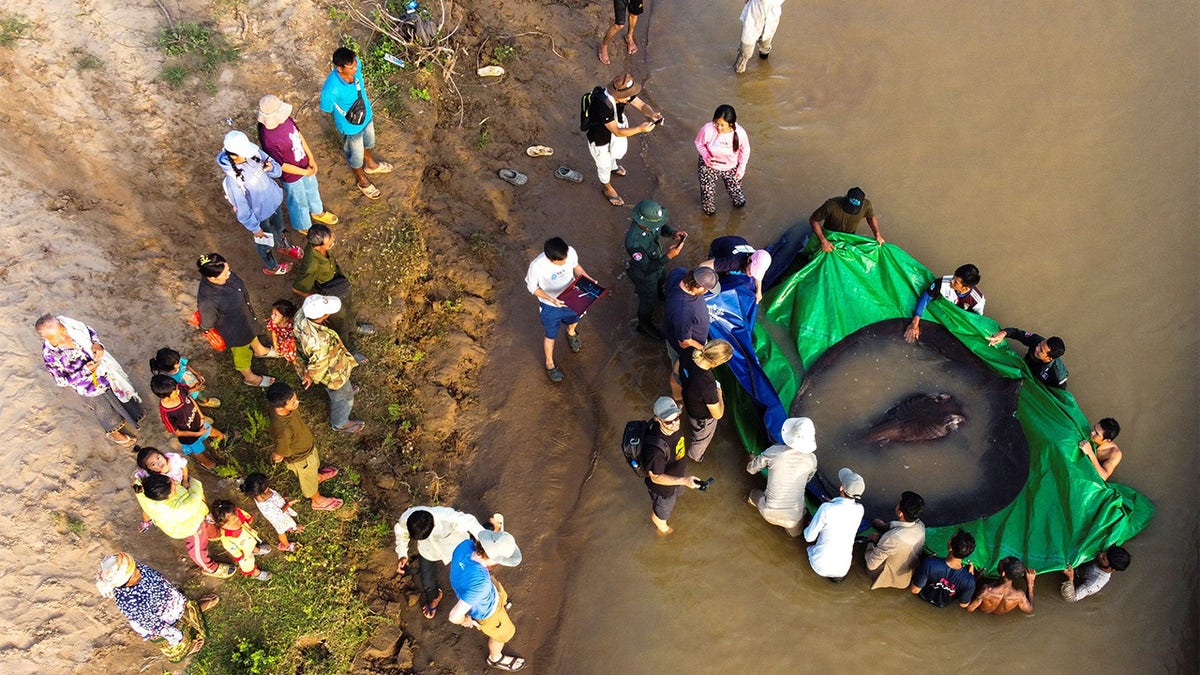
(482,601)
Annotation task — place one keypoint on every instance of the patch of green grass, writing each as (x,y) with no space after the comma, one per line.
(70,523)
(482,138)
(338,14)
(13,27)
(193,48)
(387,93)
(174,75)
(269,628)
(502,54)
(482,248)
(419,93)
(389,256)
(85,60)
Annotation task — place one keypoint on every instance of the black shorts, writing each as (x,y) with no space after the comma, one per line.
(623,7)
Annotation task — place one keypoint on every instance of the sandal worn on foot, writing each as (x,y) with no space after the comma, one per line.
(326,473)
(208,602)
(292,251)
(574,342)
(221,572)
(429,609)
(615,200)
(620,171)
(566,173)
(291,547)
(266,381)
(506,662)
(280,270)
(332,505)
(382,167)
(325,218)
(351,427)
(210,402)
(554,374)
(125,442)
(370,191)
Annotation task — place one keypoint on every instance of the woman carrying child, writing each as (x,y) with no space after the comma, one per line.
(277,510)
(152,460)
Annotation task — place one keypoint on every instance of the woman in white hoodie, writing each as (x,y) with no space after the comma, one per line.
(257,199)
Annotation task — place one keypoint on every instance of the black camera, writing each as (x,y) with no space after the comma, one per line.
(705,483)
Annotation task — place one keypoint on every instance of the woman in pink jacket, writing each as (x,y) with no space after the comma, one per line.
(724,150)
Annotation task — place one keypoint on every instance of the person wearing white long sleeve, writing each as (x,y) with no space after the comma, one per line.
(760,18)
(437,531)
(792,464)
(834,527)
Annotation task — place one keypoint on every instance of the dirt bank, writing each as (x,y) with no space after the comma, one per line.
(107,171)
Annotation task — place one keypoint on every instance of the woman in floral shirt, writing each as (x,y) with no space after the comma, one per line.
(156,610)
(75,358)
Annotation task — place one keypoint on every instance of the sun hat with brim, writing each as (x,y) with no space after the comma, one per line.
(239,144)
(624,86)
(115,571)
(799,433)
(649,213)
(500,547)
(273,111)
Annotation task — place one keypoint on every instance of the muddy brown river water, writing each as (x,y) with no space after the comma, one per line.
(1055,145)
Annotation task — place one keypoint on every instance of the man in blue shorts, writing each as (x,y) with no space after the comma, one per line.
(482,601)
(340,97)
(622,9)
(548,276)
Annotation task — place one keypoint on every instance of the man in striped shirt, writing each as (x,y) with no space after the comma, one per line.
(960,288)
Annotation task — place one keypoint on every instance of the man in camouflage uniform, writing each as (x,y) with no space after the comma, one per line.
(326,360)
(647,262)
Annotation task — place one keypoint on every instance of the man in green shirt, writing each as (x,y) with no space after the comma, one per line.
(843,214)
(647,262)
(319,272)
(295,447)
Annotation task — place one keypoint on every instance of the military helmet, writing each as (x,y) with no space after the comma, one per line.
(649,213)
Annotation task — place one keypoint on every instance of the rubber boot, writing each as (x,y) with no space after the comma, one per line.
(743,56)
(645,326)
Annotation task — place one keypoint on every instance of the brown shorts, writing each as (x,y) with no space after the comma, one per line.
(498,626)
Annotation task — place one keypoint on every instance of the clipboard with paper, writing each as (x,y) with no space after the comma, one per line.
(581,294)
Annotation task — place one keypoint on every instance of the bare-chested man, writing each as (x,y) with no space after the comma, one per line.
(1002,597)
(1106,455)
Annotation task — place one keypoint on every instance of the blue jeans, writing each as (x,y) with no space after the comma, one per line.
(340,402)
(355,144)
(274,227)
(303,200)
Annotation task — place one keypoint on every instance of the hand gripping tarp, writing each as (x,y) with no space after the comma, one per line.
(1064,514)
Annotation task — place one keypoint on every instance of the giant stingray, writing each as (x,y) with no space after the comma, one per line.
(964,452)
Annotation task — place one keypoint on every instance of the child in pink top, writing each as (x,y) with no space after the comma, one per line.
(724,151)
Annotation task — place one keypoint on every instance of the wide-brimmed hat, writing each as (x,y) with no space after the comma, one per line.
(799,433)
(649,213)
(854,200)
(624,86)
(317,306)
(852,484)
(273,111)
(500,547)
(239,144)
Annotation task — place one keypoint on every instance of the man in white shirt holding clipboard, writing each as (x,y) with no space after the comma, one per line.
(549,275)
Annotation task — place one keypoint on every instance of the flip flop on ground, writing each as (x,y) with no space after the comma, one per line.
(539,151)
(506,662)
(370,191)
(568,174)
(332,505)
(382,167)
(512,176)
(429,609)
(490,71)
(208,602)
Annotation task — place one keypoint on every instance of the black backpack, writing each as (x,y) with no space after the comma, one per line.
(633,446)
(585,106)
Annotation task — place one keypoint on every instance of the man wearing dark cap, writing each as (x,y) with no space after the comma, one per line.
(1042,357)
(647,262)
(843,214)
(960,288)
(685,316)
(608,129)
(665,457)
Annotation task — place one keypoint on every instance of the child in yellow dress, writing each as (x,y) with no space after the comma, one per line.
(239,539)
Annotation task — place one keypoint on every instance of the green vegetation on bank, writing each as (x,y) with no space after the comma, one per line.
(193,49)
(13,27)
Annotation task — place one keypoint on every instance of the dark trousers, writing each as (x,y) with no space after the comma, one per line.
(649,290)
(344,324)
(427,570)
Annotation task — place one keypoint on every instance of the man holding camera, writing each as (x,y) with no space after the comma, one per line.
(665,460)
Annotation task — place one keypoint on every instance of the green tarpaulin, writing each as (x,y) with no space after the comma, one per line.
(1065,514)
